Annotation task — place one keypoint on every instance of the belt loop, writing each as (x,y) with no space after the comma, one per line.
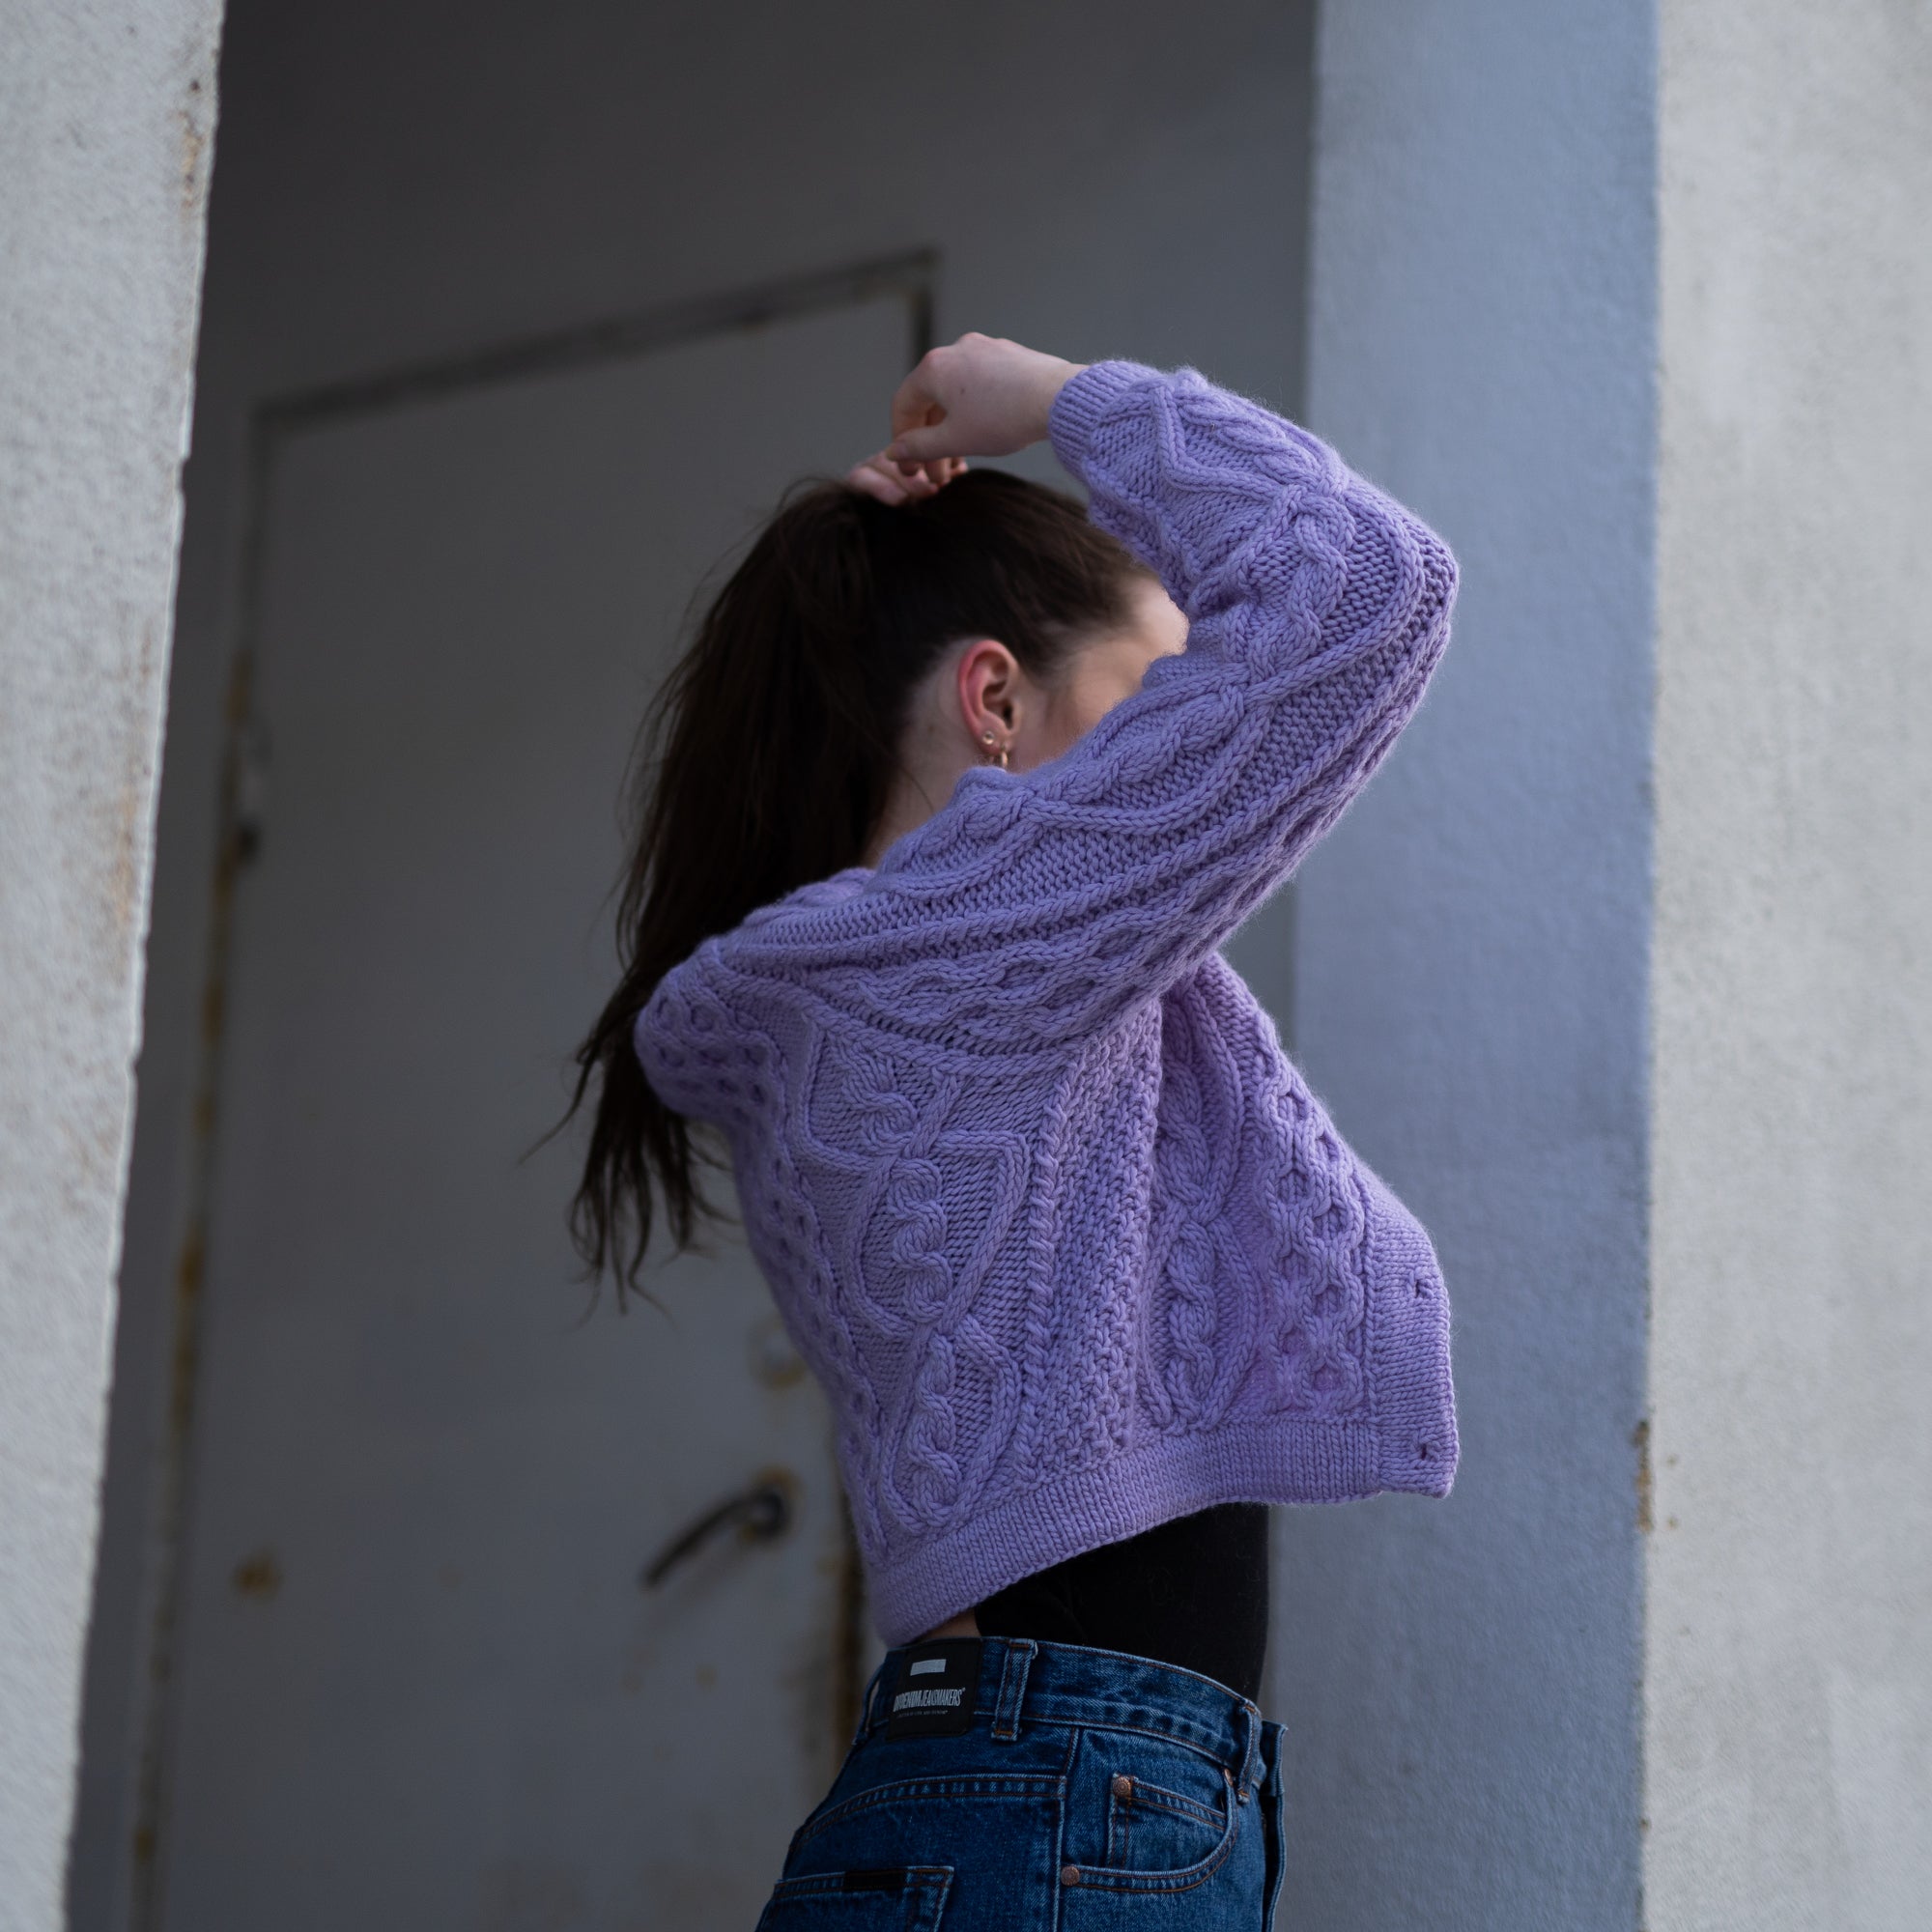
(1020,1652)
(864,1722)
(1251,1718)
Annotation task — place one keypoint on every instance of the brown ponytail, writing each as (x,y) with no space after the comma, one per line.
(768,753)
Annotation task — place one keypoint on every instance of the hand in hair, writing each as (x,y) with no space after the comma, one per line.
(879,477)
(979,396)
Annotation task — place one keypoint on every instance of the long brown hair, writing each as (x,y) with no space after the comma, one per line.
(768,753)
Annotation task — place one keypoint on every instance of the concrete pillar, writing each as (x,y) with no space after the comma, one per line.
(1787,1678)
(1623,970)
(1461,1678)
(107,117)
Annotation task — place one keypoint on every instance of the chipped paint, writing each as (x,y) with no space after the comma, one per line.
(258,1575)
(234,847)
(197,139)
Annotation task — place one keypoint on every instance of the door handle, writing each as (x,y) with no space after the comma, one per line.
(760,1514)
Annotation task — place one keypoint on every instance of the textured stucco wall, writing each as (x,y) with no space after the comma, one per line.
(106,113)
(1460,1679)
(1788,1734)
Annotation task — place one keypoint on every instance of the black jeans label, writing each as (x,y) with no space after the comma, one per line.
(933,1693)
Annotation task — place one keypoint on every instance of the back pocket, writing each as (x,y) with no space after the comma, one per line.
(1147,1815)
(886,1898)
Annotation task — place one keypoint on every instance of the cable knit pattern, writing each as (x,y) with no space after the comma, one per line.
(1062,1232)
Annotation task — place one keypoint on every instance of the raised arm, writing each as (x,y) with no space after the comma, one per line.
(1034,908)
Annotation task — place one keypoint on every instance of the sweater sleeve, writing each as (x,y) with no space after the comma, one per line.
(1035,908)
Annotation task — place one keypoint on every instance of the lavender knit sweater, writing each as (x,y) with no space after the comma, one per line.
(1064,1235)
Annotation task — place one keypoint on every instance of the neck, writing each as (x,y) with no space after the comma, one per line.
(908,806)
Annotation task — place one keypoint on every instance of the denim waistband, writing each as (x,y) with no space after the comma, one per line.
(1028,1681)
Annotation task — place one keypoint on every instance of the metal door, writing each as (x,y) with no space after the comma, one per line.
(420,1683)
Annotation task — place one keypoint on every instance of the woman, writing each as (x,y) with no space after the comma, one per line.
(961,790)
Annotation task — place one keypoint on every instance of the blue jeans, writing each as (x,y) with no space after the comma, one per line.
(1052,1788)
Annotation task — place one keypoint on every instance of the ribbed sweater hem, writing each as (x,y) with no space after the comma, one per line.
(1270,1460)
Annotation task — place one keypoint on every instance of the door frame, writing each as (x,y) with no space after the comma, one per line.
(912,276)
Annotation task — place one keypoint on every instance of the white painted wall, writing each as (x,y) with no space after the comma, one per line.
(1788,1709)
(107,115)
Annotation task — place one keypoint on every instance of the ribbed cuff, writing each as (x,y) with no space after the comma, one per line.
(1083,400)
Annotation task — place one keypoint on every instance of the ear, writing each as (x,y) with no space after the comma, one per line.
(989,683)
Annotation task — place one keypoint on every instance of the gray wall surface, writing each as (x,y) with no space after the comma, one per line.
(1471,968)
(1788,1733)
(106,114)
